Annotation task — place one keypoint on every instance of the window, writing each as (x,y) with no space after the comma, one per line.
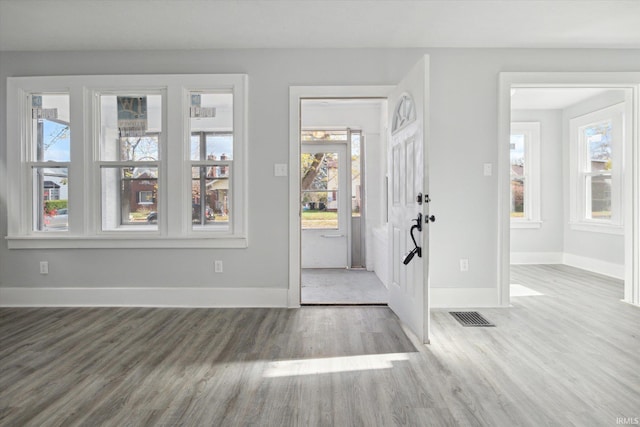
(596,178)
(320,186)
(49,154)
(211,160)
(525,175)
(153,161)
(129,153)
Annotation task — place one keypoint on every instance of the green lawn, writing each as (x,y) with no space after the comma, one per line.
(319,215)
(319,219)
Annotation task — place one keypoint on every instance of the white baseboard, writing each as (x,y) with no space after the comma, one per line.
(536,258)
(595,265)
(143,297)
(590,264)
(464,297)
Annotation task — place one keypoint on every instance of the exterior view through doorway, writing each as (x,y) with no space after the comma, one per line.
(334,139)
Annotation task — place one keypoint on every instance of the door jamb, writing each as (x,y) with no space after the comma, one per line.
(296,95)
(627,80)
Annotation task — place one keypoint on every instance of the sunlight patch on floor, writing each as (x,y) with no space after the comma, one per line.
(523,291)
(327,365)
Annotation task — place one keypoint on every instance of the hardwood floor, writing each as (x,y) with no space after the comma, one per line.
(568,357)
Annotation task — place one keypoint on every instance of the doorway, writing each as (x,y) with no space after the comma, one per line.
(335,138)
(405,181)
(584,121)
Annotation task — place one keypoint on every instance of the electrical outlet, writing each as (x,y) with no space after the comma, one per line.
(488,169)
(218,266)
(44,267)
(464,264)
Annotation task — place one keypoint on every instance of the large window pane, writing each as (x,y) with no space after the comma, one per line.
(129,198)
(51,188)
(211,121)
(599,146)
(599,197)
(130,127)
(50,130)
(319,189)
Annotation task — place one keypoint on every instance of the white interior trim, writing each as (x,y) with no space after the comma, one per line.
(142,297)
(296,94)
(518,258)
(629,80)
(594,265)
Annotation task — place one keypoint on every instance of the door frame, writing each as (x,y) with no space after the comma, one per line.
(631,215)
(296,95)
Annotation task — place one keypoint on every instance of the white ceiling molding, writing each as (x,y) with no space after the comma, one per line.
(33,25)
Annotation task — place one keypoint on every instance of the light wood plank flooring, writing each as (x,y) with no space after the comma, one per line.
(569,357)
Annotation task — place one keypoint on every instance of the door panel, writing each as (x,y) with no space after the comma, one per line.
(408,162)
(325,213)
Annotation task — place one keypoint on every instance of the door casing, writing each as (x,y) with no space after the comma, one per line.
(296,95)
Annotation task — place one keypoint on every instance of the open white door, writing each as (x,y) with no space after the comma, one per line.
(408,209)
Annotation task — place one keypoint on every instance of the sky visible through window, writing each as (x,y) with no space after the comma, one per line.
(56,141)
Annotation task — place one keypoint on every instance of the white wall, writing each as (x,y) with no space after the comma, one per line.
(544,243)
(463,135)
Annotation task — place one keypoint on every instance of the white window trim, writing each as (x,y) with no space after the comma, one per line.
(578,220)
(531,132)
(174,229)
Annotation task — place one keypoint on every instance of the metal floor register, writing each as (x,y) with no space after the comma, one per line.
(471,318)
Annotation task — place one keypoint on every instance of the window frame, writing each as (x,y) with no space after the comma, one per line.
(578,155)
(532,196)
(85,225)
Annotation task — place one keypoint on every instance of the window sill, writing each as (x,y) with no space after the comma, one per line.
(526,224)
(125,242)
(597,228)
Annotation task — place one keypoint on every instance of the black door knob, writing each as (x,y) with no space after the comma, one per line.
(430,218)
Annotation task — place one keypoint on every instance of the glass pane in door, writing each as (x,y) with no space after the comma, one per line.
(319,190)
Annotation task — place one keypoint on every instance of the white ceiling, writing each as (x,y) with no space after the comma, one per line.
(204,24)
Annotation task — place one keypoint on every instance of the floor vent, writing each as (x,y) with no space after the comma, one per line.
(470,318)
